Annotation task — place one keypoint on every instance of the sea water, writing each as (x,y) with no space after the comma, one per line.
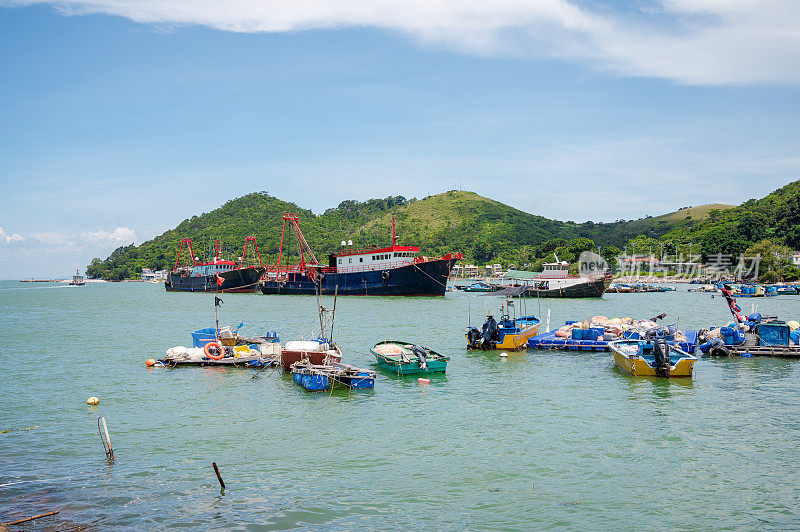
(538,439)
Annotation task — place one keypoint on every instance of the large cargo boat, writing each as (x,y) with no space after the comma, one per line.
(216,275)
(374,271)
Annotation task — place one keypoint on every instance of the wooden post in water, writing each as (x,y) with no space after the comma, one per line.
(107,441)
(219,477)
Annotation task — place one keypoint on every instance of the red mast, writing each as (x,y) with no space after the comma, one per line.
(188,242)
(305,249)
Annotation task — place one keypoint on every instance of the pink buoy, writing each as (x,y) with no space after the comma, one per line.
(423,381)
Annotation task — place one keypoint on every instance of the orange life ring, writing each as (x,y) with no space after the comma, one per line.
(219,348)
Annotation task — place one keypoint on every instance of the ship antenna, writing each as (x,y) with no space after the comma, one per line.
(394,235)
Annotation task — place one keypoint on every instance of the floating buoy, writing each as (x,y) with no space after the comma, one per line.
(423,381)
(503,354)
(150,362)
(93,401)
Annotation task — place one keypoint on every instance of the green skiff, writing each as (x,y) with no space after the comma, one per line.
(398,357)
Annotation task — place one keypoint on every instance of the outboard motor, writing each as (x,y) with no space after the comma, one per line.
(660,351)
(422,355)
(474,338)
(661,355)
(718,349)
(490,335)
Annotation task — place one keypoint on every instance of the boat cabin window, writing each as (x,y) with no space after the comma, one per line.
(349,260)
(360,259)
(340,261)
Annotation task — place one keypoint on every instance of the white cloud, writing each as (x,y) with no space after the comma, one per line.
(14,237)
(51,238)
(120,235)
(707,42)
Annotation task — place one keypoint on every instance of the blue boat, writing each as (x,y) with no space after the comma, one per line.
(318,378)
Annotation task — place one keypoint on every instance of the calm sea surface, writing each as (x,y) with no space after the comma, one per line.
(543,439)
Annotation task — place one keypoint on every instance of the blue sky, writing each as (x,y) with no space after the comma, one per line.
(119,119)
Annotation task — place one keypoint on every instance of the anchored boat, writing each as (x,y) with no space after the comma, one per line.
(373,271)
(317,378)
(652,358)
(216,275)
(556,281)
(511,332)
(508,333)
(405,358)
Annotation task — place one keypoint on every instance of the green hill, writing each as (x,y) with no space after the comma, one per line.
(734,229)
(483,229)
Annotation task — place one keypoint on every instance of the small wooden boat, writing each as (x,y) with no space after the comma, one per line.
(316,378)
(652,358)
(316,352)
(405,358)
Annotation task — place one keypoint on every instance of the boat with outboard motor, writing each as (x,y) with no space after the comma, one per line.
(405,358)
(652,357)
(216,275)
(508,333)
(372,271)
(512,331)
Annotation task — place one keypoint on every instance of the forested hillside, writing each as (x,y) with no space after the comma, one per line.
(483,229)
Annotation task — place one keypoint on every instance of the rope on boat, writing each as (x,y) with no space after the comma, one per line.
(429,275)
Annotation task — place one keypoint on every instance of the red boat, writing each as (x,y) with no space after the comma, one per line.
(216,275)
(374,271)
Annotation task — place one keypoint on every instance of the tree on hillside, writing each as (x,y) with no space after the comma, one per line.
(775,262)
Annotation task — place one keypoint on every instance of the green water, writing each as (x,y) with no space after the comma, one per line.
(543,439)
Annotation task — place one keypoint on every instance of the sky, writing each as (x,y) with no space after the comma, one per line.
(120,118)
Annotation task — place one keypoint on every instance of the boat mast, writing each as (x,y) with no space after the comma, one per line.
(394,235)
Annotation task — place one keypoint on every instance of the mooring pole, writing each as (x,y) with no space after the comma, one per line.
(219,477)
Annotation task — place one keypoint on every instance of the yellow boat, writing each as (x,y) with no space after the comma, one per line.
(509,333)
(643,358)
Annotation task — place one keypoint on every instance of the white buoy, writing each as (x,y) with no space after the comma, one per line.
(503,355)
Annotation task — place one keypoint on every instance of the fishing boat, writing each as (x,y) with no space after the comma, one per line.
(555,281)
(786,290)
(319,352)
(217,274)
(317,378)
(369,271)
(405,358)
(705,289)
(508,333)
(480,287)
(652,358)
(77,279)
(512,331)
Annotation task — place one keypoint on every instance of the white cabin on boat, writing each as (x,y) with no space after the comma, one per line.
(554,270)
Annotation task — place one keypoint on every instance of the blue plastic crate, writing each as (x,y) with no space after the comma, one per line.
(773,334)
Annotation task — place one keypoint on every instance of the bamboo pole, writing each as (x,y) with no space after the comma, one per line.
(18,521)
